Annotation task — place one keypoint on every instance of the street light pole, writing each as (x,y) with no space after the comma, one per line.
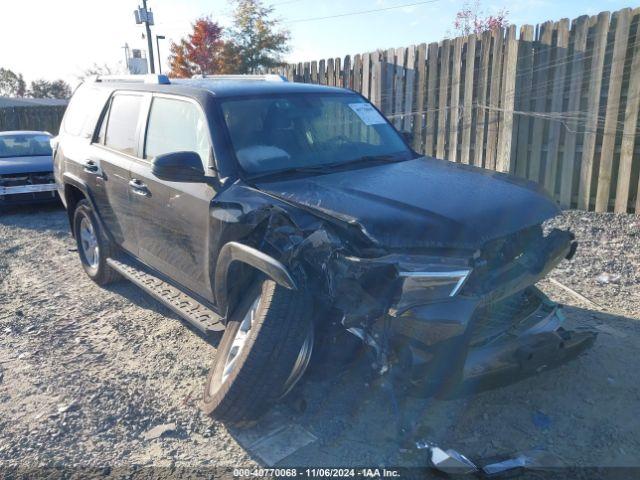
(158,38)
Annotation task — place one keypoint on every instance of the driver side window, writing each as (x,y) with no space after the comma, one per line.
(175,126)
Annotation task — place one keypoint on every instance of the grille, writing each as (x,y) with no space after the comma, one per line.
(509,315)
(18,179)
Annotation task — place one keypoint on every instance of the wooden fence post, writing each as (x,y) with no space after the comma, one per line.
(467,101)
(505,132)
(623,23)
(494,99)
(347,77)
(541,84)
(357,73)
(421,85)
(376,79)
(454,112)
(443,91)
(629,134)
(409,88)
(580,32)
(387,81)
(331,78)
(559,78)
(400,68)
(431,107)
(593,107)
(366,74)
(481,111)
(322,74)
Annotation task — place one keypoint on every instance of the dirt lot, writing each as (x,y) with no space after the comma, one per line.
(86,372)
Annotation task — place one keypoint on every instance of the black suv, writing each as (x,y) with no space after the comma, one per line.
(297,219)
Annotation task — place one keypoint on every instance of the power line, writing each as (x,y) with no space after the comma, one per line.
(360,12)
(277,4)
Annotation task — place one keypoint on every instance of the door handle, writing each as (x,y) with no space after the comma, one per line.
(91,166)
(139,188)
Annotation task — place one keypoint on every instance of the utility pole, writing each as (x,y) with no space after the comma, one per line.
(145,16)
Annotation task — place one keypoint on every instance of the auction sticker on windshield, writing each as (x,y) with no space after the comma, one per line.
(367,113)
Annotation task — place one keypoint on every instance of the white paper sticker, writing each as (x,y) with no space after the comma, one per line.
(367,113)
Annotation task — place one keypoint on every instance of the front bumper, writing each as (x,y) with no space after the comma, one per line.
(26,189)
(501,344)
(544,346)
(42,187)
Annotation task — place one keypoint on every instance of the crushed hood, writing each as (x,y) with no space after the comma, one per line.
(423,202)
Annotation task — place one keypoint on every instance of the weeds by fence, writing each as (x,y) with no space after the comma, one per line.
(558,105)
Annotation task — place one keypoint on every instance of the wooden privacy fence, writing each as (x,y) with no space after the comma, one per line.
(44,118)
(558,104)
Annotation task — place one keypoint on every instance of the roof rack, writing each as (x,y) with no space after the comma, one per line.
(151,78)
(269,77)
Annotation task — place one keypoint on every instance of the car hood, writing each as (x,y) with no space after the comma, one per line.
(40,163)
(423,202)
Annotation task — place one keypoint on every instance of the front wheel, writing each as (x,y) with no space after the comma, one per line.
(264,351)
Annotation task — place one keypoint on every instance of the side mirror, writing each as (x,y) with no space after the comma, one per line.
(178,167)
(408,136)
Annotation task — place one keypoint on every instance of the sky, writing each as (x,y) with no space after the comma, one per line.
(51,40)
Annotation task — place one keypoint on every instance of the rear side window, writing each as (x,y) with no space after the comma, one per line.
(122,123)
(176,126)
(83,111)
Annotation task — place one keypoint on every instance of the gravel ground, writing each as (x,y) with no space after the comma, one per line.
(86,373)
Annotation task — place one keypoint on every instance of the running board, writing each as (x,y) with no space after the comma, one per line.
(195,313)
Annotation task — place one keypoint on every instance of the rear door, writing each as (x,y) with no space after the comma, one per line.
(73,145)
(115,147)
(172,218)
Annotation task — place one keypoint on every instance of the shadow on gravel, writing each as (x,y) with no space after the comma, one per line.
(36,217)
(138,297)
(356,421)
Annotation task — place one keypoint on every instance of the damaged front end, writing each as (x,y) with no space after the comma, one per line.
(450,319)
(465,321)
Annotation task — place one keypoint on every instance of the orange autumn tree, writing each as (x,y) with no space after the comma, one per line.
(200,52)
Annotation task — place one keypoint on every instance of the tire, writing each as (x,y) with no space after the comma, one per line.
(97,268)
(274,355)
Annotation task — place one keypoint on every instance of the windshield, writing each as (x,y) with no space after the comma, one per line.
(300,131)
(24,145)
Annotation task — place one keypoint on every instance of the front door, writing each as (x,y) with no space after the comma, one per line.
(172,218)
(110,157)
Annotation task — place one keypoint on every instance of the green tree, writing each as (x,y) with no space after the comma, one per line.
(47,89)
(256,40)
(11,84)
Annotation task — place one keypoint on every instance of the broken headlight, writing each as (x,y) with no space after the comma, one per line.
(426,286)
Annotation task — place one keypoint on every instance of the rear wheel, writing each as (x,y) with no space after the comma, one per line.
(263,353)
(93,247)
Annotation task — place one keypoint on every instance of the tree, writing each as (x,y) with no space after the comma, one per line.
(103,69)
(200,52)
(47,89)
(255,41)
(11,84)
(471,19)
